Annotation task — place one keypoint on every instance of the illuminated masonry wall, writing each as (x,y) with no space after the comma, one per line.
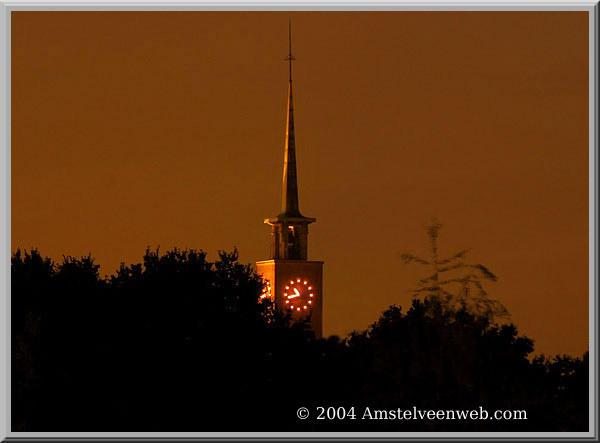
(296,285)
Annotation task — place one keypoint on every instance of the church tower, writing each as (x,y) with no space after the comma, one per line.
(292,281)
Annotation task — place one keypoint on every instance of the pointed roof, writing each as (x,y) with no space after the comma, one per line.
(290,210)
(289,196)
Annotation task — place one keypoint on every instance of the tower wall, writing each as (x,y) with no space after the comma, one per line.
(280,272)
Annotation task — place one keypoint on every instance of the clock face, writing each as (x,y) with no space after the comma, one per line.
(298,295)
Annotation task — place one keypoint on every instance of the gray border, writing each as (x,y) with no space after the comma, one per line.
(5,221)
(5,13)
(298,6)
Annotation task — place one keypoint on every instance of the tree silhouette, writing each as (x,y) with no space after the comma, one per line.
(181,343)
(470,296)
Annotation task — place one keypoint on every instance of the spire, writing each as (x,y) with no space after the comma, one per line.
(289,229)
(289,198)
(290,57)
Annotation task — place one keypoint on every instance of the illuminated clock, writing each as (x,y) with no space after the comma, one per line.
(298,295)
(266,292)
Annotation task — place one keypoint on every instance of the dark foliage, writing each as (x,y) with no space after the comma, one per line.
(179,343)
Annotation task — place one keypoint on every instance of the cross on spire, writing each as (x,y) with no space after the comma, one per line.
(290,57)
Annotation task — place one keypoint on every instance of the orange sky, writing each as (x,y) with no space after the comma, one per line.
(167,128)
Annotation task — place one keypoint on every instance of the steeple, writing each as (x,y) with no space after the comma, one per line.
(289,195)
(292,282)
(290,227)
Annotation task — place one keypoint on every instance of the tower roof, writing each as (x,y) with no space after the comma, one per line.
(289,195)
(290,210)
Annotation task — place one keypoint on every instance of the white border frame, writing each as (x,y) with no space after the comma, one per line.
(248,5)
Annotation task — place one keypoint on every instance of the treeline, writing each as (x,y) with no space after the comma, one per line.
(180,343)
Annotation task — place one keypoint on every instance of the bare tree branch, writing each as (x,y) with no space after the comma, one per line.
(432,287)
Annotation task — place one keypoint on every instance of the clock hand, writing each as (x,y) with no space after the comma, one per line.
(296,295)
